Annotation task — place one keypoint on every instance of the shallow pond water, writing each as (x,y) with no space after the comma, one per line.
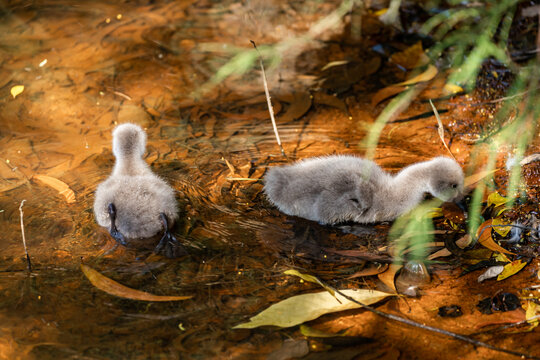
(86,67)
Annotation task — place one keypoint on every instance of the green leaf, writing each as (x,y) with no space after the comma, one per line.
(301,308)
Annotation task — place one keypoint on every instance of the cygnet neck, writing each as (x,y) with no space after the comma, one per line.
(131,165)
(407,188)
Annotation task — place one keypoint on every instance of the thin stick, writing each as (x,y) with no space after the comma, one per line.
(431,328)
(23,237)
(441,128)
(270,108)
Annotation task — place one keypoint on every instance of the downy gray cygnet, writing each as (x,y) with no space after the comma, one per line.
(134,202)
(341,188)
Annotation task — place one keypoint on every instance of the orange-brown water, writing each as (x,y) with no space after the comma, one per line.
(112,63)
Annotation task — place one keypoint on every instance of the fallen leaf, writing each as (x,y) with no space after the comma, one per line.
(485,239)
(374,269)
(441,253)
(330,100)
(410,58)
(529,159)
(300,104)
(501,230)
(17,90)
(58,185)
(491,272)
(531,313)
(334,63)
(388,277)
(427,75)
(312,332)
(476,178)
(301,308)
(451,89)
(385,93)
(511,269)
(111,287)
(496,199)
(309,278)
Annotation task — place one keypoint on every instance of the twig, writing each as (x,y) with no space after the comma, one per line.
(441,127)
(270,108)
(23,237)
(431,328)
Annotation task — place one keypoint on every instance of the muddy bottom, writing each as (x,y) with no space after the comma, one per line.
(86,67)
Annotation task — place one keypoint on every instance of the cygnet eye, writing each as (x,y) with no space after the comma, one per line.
(454,186)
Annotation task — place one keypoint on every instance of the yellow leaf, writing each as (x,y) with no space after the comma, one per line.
(501,230)
(309,278)
(496,199)
(380,12)
(17,90)
(484,238)
(427,75)
(301,308)
(511,268)
(451,89)
(532,310)
(111,287)
(58,185)
(501,257)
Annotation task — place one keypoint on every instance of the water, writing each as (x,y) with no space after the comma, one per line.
(112,63)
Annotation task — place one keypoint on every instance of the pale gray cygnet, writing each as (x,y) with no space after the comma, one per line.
(341,188)
(134,202)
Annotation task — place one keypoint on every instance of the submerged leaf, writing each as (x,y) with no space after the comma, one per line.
(301,308)
(58,185)
(385,93)
(511,269)
(113,288)
(531,314)
(411,57)
(486,240)
(427,75)
(451,89)
(17,90)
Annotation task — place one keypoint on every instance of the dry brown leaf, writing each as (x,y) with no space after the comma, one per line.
(111,287)
(58,185)
(388,277)
(370,270)
(484,238)
(440,127)
(385,93)
(427,75)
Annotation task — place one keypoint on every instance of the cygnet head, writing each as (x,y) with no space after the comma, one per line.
(445,178)
(129,140)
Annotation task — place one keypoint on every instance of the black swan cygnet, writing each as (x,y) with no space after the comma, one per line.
(134,202)
(341,188)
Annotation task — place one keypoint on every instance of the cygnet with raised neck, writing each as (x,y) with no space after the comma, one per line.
(134,202)
(342,188)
